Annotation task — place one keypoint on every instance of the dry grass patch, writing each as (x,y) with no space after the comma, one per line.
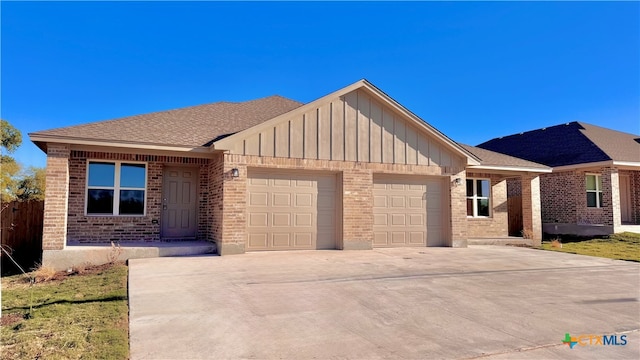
(82,314)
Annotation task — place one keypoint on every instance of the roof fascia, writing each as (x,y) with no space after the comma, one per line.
(34,137)
(583,165)
(510,168)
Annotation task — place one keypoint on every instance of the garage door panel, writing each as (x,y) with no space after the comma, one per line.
(303,240)
(281,240)
(258,181)
(290,210)
(302,220)
(399,237)
(398,219)
(279,219)
(282,182)
(258,219)
(380,201)
(281,199)
(259,199)
(380,239)
(415,202)
(397,201)
(259,241)
(305,200)
(404,211)
(416,220)
(305,183)
(380,219)
(416,238)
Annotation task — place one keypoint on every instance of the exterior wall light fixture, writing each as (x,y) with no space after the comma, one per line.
(235,173)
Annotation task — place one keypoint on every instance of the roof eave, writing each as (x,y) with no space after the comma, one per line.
(41,139)
(510,168)
(620,164)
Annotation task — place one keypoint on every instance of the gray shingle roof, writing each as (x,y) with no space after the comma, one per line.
(492,158)
(569,144)
(190,126)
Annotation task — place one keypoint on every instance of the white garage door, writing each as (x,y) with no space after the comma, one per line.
(408,211)
(290,211)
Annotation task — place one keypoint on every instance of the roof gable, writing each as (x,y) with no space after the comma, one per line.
(568,144)
(356,123)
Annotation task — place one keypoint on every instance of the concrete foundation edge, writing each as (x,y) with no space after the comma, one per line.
(97,255)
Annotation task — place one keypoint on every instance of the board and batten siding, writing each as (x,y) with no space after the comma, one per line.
(353,127)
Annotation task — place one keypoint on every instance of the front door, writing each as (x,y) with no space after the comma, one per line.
(625,199)
(179,202)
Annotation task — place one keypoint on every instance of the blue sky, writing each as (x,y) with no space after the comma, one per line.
(474,70)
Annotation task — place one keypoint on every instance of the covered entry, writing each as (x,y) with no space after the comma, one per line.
(291,210)
(408,211)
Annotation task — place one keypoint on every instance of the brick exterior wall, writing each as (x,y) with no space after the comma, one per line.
(216,186)
(458,218)
(357,209)
(54,234)
(229,231)
(100,229)
(497,224)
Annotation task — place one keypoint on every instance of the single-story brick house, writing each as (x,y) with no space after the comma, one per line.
(595,185)
(351,170)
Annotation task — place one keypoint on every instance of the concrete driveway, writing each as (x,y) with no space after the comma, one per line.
(484,302)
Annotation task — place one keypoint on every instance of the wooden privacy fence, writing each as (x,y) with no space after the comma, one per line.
(22,233)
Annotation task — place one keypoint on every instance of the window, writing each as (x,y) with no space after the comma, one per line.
(478,197)
(594,191)
(115,188)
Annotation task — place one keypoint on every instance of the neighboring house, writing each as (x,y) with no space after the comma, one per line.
(351,170)
(595,185)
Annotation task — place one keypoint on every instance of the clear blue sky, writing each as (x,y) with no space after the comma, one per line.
(473,70)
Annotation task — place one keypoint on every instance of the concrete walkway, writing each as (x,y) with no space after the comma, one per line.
(485,302)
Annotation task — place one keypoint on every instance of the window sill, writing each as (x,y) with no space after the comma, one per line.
(479,217)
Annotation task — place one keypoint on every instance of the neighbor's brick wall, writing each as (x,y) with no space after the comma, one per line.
(497,224)
(230,231)
(598,216)
(561,193)
(92,229)
(54,232)
(634,178)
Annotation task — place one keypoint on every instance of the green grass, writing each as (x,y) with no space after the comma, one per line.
(624,246)
(74,317)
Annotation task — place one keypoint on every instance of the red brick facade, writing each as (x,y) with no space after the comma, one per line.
(99,229)
(564,199)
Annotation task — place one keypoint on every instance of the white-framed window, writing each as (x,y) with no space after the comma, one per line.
(478,197)
(116,188)
(594,190)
